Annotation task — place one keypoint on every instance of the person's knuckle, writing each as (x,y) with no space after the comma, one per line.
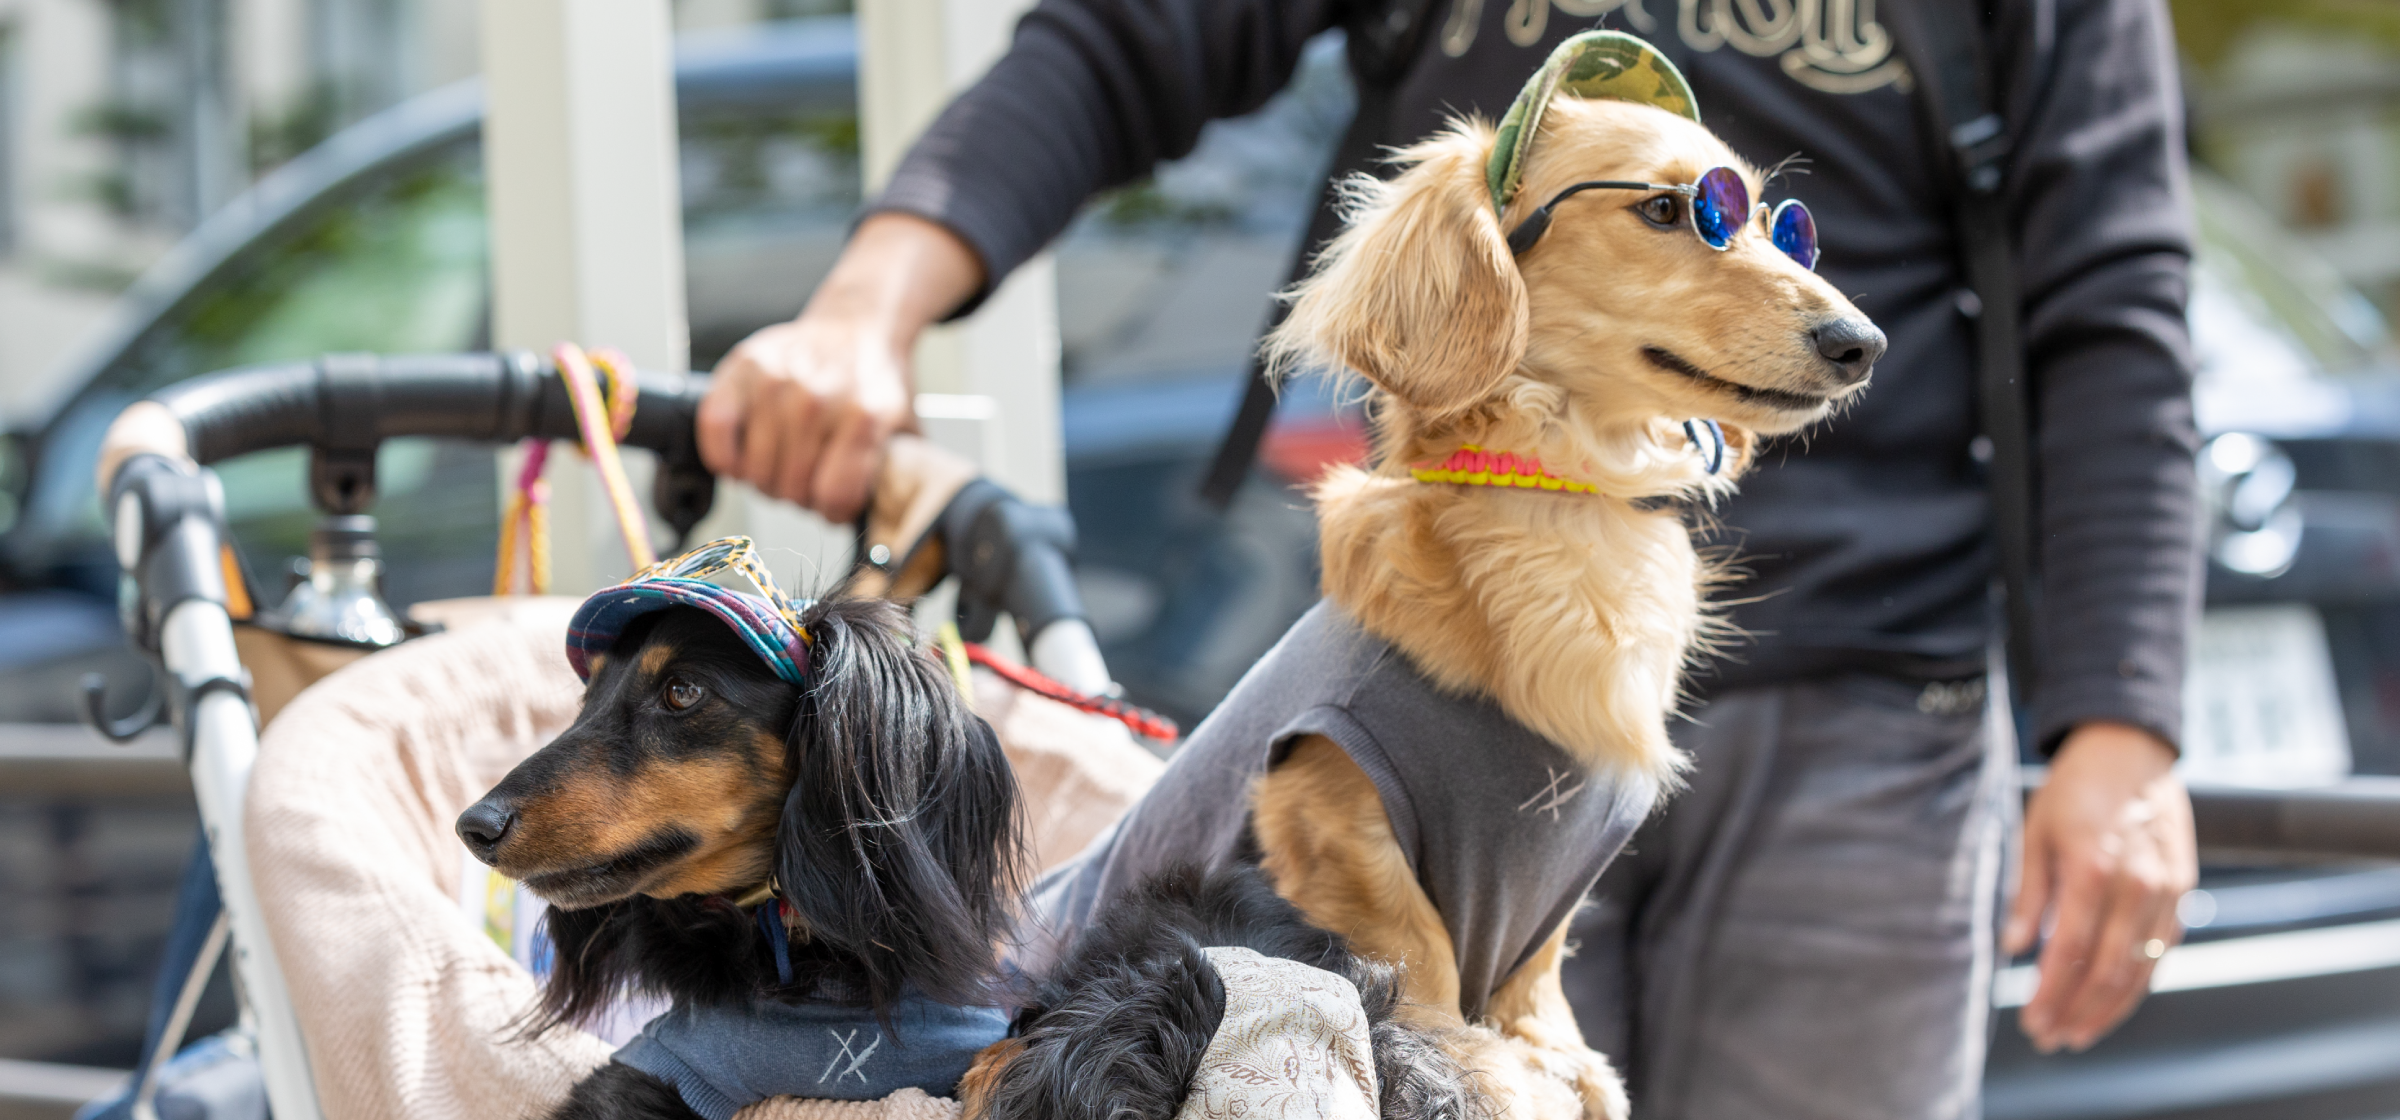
(2088,873)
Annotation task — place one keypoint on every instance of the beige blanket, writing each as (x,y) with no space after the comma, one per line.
(408,1009)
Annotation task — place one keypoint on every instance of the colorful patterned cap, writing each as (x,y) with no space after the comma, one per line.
(768,622)
(1593,65)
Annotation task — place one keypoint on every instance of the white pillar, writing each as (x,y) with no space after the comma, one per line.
(913,56)
(586,216)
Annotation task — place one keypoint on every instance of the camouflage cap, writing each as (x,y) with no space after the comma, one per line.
(1594,64)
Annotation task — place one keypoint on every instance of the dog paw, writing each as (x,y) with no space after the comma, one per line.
(1519,1081)
(983,1076)
(1595,1080)
(1603,1092)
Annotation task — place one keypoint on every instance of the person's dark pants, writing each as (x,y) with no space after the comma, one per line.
(1807,930)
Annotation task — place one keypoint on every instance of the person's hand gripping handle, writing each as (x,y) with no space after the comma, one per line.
(802,410)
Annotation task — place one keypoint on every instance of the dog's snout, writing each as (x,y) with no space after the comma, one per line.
(1851,343)
(484,825)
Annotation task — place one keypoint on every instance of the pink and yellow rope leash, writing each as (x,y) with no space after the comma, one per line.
(602,418)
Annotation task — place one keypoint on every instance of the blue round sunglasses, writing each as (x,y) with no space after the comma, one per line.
(1719,206)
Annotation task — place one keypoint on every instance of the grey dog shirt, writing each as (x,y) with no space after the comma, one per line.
(1504,830)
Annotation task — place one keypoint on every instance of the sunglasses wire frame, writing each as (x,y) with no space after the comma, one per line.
(1804,252)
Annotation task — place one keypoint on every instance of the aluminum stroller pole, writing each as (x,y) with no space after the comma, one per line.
(197,643)
(168,531)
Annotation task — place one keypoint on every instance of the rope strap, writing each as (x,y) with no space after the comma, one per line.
(602,389)
(598,420)
(1143,721)
(527,519)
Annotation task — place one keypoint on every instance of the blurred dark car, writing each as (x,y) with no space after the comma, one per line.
(2285,1001)
(2288,1005)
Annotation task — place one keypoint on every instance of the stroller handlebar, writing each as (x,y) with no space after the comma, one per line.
(1009,556)
(343,406)
(349,402)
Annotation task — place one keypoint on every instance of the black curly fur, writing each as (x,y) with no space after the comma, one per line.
(1117,1031)
(620,1092)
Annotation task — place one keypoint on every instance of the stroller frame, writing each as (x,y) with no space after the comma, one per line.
(184,590)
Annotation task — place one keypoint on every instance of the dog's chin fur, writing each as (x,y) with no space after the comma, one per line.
(1118,1031)
(1577,614)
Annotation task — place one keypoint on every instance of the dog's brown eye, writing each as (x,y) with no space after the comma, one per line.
(681,694)
(1662,210)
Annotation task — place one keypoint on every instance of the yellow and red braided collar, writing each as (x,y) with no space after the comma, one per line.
(1473,466)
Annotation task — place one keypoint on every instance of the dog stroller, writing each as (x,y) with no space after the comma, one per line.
(380,973)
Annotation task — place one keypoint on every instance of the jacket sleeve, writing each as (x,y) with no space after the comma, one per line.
(2103,221)
(1092,94)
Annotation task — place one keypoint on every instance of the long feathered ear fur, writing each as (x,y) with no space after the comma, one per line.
(1419,294)
(902,843)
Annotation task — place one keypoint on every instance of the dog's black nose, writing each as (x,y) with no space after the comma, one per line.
(1853,344)
(483,825)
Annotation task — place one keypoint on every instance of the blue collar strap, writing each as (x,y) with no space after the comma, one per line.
(779,939)
(1709,440)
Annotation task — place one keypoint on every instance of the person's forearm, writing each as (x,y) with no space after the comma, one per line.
(2103,228)
(900,274)
(1092,94)
(2119,547)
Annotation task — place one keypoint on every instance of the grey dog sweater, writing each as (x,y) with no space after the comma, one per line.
(1504,830)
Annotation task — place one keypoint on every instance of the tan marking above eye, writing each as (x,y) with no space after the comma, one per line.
(656,656)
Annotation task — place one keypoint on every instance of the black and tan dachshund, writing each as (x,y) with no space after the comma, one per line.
(880,809)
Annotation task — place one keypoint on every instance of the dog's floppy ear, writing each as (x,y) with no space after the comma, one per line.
(1419,294)
(901,843)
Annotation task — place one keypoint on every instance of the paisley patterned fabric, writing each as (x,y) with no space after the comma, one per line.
(1595,64)
(1293,1045)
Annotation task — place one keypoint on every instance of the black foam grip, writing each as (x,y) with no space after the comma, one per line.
(1010,556)
(345,405)
(355,401)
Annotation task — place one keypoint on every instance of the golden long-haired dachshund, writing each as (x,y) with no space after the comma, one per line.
(1512,591)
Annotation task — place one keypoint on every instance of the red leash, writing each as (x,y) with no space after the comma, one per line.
(1144,722)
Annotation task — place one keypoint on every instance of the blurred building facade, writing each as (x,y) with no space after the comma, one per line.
(2298,103)
(124,123)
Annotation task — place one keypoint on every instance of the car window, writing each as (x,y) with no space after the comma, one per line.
(395,264)
(398,264)
(392,263)
(768,195)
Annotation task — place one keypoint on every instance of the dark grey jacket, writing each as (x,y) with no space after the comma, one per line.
(1504,831)
(1868,540)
